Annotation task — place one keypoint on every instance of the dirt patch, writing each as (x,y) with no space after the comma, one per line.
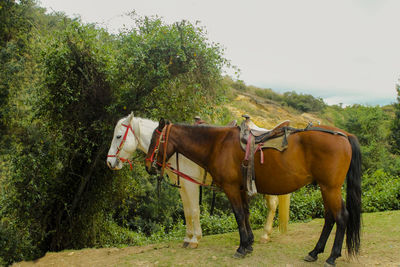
(86,257)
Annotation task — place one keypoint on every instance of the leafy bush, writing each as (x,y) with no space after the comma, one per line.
(142,209)
(306,204)
(269,94)
(381,192)
(371,126)
(15,244)
(303,102)
(217,224)
(395,124)
(239,85)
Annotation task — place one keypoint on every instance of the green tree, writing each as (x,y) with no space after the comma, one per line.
(168,70)
(303,102)
(395,127)
(371,126)
(15,31)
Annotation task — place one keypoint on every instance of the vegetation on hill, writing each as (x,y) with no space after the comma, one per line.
(64,84)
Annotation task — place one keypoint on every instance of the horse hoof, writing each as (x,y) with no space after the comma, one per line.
(329,265)
(249,250)
(310,258)
(193,245)
(264,240)
(185,244)
(239,255)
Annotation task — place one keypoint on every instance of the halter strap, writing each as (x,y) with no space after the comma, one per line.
(156,147)
(166,138)
(121,145)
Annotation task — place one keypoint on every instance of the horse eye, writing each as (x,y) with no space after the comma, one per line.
(119,136)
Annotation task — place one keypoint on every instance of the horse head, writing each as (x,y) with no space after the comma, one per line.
(123,144)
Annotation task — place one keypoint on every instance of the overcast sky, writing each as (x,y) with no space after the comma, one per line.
(345,51)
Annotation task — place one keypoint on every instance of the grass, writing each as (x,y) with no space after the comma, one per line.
(380,245)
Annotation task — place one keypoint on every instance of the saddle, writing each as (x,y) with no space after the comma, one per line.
(260,135)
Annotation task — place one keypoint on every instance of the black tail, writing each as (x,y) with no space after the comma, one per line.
(353,198)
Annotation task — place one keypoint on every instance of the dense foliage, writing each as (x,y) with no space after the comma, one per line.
(303,102)
(64,84)
(395,127)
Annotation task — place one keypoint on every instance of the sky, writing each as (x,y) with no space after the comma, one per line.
(344,51)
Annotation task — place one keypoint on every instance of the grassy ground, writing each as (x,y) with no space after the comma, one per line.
(380,246)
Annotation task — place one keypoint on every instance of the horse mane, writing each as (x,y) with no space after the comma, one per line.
(203,133)
(202,127)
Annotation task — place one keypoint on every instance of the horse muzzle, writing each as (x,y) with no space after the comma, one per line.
(114,164)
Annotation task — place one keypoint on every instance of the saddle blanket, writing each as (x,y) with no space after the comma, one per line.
(279,143)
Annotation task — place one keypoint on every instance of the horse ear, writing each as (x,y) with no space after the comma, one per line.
(161,124)
(130,117)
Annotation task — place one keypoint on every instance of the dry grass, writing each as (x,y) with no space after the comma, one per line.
(266,114)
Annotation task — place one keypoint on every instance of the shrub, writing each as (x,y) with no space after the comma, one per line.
(303,102)
(306,204)
(217,224)
(381,192)
(268,94)
(239,85)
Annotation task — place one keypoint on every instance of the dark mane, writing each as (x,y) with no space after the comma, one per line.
(203,126)
(204,132)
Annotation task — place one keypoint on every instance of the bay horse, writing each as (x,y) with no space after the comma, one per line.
(325,156)
(132,133)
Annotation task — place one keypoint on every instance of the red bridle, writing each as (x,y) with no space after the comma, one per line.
(156,147)
(121,145)
(164,134)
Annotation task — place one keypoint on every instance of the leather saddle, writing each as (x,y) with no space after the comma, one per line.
(261,135)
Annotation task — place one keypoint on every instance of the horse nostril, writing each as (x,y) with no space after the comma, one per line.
(109,164)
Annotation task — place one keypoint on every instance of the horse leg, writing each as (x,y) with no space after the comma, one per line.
(235,198)
(335,211)
(192,191)
(326,230)
(284,207)
(341,222)
(250,234)
(272,204)
(188,217)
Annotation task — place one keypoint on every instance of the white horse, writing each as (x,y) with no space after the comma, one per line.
(131,133)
